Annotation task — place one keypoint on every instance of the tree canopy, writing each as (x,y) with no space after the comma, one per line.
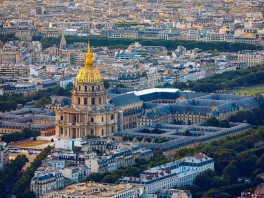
(234,157)
(225,81)
(24,134)
(131,171)
(10,172)
(169,44)
(22,185)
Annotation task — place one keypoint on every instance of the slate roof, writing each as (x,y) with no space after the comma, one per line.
(147,105)
(44,177)
(191,94)
(159,95)
(125,99)
(229,97)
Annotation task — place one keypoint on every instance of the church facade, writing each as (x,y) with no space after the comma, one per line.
(89,113)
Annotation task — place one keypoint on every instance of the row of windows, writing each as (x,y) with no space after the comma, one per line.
(94,88)
(85,101)
(92,119)
(92,131)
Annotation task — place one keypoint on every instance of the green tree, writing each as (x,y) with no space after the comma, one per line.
(9,173)
(224,124)
(106,84)
(194,189)
(222,157)
(230,173)
(121,86)
(218,182)
(42,102)
(139,138)
(28,194)
(202,181)
(169,53)
(247,163)
(133,171)
(24,181)
(148,139)
(216,52)
(130,138)
(110,178)
(187,133)
(68,89)
(125,138)
(212,122)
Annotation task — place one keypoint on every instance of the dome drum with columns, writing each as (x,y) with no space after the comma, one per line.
(89,113)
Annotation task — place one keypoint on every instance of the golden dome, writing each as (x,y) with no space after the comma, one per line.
(88,74)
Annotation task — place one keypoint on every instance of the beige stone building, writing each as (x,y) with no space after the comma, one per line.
(24,34)
(10,57)
(89,113)
(96,190)
(252,58)
(42,183)
(11,70)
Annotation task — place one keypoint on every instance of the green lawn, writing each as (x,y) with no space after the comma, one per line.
(258,89)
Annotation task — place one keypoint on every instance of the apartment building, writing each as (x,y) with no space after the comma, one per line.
(116,155)
(96,190)
(10,57)
(177,173)
(75,174)
(18,88)
(24,34)
(55,174)
(47,181)
(76,57)
(252,58)
(246,40)
(14,70)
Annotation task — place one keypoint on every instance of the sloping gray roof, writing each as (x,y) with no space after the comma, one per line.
(125,99)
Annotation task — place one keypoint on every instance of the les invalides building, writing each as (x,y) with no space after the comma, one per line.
(89,114)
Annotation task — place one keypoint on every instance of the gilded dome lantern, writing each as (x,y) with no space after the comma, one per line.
(88,74)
